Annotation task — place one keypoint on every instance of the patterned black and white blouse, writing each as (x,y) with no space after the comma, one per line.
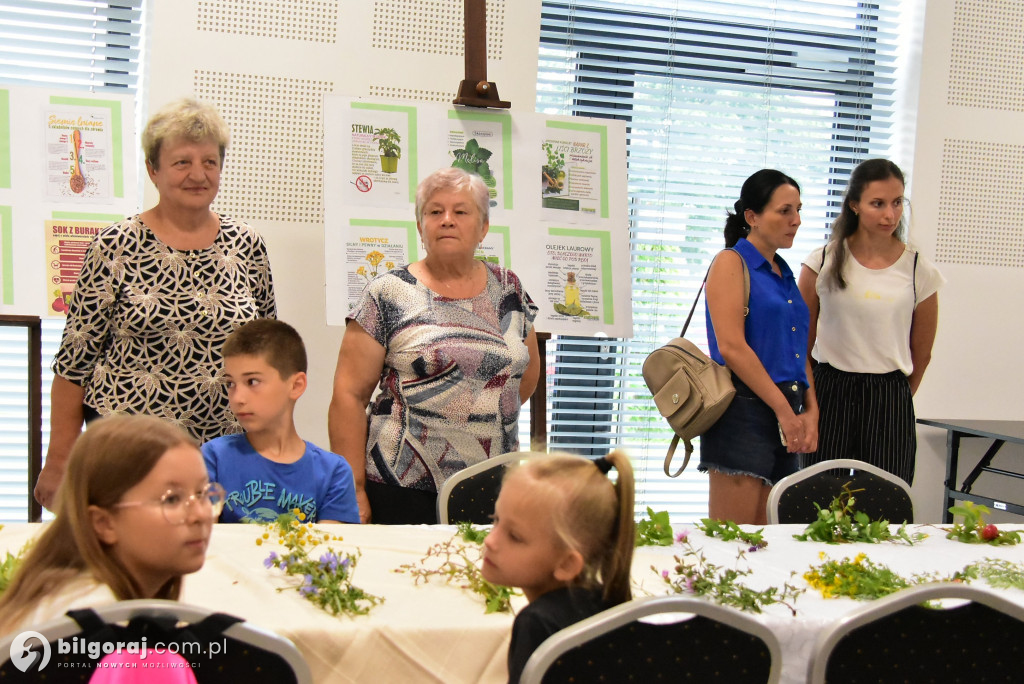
(146,322)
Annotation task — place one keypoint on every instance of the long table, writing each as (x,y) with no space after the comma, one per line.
(440,633)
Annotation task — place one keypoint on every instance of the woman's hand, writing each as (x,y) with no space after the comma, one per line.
(365,514)
(794,429)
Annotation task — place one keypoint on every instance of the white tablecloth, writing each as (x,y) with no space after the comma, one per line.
(775,564)
(440,633)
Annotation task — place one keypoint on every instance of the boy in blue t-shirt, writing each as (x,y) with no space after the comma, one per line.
(269,469)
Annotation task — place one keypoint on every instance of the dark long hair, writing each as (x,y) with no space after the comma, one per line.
(847,222)
(754,195)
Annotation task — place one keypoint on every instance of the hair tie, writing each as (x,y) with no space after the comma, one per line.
(603,464)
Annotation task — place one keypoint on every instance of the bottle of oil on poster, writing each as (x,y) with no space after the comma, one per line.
(572,291)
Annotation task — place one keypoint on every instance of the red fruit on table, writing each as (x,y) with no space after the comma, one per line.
(989,532)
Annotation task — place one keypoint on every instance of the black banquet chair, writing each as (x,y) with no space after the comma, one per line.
(648,640)
(900,639)
(885,496)
(244,652)
(469,495)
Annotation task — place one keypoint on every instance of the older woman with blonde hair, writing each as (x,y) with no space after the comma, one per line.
(450,341)
(134,514)
(158,294)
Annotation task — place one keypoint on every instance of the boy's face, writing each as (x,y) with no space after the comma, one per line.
(259,397)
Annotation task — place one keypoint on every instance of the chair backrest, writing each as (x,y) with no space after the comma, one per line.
(897,639)
(219,647)
(469,495)
(886,496)
(712,644)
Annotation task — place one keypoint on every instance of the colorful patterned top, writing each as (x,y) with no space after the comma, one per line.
(146,322)
(450,385)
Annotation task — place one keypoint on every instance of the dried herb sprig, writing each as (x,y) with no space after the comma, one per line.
(457,560)
(695,574)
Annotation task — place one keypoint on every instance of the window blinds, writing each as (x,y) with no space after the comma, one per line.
(710,92)
(62,45)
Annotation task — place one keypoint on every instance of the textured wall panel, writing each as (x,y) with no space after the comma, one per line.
(416,94)
(987,54)
(274,168)
(433,26)
(309,20)
(981,204)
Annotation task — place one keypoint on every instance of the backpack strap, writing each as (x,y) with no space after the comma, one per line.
(688,447)
(746,291)
(913,279)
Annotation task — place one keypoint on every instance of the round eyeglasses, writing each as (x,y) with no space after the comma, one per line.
(175,502)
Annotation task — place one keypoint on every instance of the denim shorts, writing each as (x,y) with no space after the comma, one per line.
(745,440)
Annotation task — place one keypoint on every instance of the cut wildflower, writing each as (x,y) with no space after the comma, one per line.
(326,582)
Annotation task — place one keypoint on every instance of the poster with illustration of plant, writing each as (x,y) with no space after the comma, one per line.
(479,143)
(374,248)
(473,158)
(574,172)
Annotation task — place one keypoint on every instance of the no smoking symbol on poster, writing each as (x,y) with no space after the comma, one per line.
(363,184)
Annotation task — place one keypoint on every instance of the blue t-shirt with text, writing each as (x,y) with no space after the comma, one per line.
(319,484)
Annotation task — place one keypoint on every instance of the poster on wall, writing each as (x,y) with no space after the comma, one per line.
(568,242)
(77,148)
(573,174)
(76,171)
(374,153)
(66,243)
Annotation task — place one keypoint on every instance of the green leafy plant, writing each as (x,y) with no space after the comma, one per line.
(474,159)
(9,565)
(387,142)
(727,530)
(840,523)
(655,530)
(695,574)
(457,560)
(1001,574)
(974,530)
(326,581)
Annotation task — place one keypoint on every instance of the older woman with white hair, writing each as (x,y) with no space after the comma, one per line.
(450,341)
(158,294)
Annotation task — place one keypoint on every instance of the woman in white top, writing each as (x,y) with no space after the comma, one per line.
(134,514)
(874,311)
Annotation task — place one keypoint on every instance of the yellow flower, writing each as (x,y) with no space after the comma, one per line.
(300,515)
(389,265)
(859,559)
(374,258)
(361,271)
(821,555)
(259,542)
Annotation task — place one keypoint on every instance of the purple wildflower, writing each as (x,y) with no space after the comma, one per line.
(664,574)
(752,549)
(307,587)
(689,584)
(271,560)
(330,561)
(683,536)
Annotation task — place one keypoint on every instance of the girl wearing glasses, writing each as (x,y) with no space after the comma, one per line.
(134,514)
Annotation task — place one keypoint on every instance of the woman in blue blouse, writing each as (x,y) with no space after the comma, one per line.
(774,415)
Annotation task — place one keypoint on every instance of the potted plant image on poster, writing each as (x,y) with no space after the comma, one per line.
(475,159)
(390,152)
